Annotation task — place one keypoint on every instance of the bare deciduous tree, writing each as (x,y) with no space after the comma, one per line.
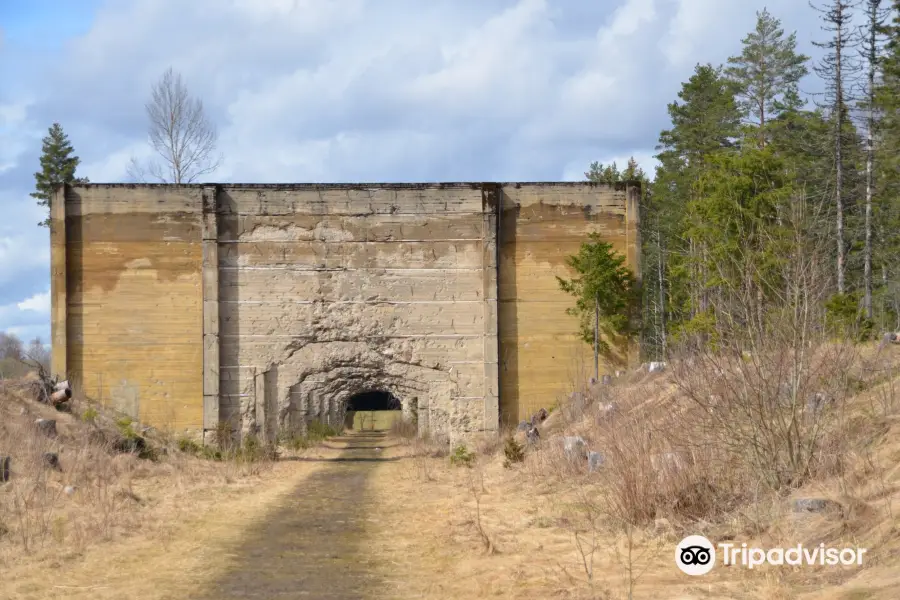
(180,133)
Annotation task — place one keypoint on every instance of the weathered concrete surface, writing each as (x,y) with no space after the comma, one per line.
(268,306)
(127,299)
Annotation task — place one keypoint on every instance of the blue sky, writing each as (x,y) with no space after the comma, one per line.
(348,90)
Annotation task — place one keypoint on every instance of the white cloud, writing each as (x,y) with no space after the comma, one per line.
(373,90)
(38,303)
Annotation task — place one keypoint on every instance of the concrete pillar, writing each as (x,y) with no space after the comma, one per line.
(491,196)
(633,251)
(210,276)
(633,227)
(58,290)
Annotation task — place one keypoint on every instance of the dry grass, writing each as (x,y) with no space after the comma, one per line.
(99,493)
(548,528)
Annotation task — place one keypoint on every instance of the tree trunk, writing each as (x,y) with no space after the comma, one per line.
(839,159)
(872,59)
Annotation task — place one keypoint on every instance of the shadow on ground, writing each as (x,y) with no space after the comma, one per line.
(313,545)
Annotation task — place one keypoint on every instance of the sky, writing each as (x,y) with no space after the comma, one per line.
(348,90)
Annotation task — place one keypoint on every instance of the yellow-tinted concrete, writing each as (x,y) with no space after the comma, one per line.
(132,310)
(269,305)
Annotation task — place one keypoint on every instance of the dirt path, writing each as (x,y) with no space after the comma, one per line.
(312,542)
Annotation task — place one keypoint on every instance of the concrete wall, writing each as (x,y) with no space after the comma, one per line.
(126,299)
(541,355)
(266,306)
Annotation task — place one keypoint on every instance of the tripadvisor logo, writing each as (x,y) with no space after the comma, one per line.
(696,555)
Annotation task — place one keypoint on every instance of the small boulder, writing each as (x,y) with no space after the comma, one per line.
(539,417)
(607,379)
(523,426)
(46,426)
(608,409)
(69,490)
(814,505)
(595,461)
(574,447)
(5,468)
(656,367)
(818,401)
(51,460)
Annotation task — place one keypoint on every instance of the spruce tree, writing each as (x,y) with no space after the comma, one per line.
(887,180)
(58,164)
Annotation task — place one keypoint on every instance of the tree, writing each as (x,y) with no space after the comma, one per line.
(871,52)
(38,353)
(58,164)
(705,121)
(180,133)
(598,173)
(836,67)
(887,172)
(11,346)
(604,294)
(767,72)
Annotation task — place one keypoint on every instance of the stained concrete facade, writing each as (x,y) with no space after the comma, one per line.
(269,306)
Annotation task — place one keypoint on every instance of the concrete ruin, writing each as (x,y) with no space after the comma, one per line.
(269,306)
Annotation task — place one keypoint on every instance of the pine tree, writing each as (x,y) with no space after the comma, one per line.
(767,73)
(58,164)
(704,122)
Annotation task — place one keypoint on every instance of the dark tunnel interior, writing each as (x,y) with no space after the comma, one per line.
(373,400)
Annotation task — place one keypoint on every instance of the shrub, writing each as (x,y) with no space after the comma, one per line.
(189,446)
(513,451)
(89,415)
(462,457)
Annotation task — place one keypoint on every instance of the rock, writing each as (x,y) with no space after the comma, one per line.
(539,417)
(814,505)
(656,367)
(816,402)
(574,447)
(619,373)
(592,381)
(5,468)
(608,409)
(532,436)
(46,426)
(51,460)
(607,379)
(523,426)
(69,490)
(595,461)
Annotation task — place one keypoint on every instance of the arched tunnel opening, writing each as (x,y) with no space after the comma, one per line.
(372,410)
